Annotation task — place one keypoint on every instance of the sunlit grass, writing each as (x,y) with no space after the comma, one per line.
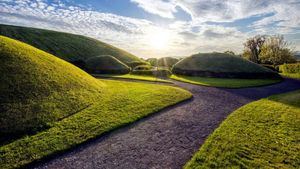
(224,82)
(123,103)
(262,134)
(291,75)
(134,77)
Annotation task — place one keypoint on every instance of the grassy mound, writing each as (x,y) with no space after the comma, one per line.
(67,46)
(106,64)
(221,65)
(262,134)
(167,62)
(38,88)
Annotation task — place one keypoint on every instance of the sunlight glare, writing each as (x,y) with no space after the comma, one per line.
(158,39)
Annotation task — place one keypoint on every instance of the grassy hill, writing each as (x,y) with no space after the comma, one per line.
(106,64)
(38,88)
(220,65)
(67,46)
(167,61)
(48,105)
(261,134)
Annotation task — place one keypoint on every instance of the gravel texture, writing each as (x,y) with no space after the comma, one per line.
(167,139)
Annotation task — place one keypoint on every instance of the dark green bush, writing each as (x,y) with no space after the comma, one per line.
(290,68)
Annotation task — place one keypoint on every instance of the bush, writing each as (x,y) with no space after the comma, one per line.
(157,73)
(290,68)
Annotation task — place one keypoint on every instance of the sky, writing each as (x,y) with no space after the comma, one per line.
(160,28)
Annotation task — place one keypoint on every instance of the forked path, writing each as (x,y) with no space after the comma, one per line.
(167,139)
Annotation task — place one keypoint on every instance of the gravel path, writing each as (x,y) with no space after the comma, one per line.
(168,139)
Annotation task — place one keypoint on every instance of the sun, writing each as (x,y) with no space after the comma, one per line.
(158,39)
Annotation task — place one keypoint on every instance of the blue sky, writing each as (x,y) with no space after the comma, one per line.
(157,28)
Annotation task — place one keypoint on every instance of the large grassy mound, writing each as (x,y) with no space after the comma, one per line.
(106,64)
(167,62)
(221,65)
(67,46)
(262,134)
(38,88)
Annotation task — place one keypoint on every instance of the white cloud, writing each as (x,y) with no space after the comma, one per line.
(159,7)
(131,34)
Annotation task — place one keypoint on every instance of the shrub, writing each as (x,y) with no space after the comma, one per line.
(290,68)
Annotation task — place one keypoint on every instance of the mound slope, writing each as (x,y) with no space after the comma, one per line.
(221,65)
(167,61)
(106,64)
(38,88)
(67,46)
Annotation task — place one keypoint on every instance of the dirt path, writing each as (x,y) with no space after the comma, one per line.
(166,139)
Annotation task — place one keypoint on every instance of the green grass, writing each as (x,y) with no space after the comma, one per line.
(105,64)
(55,105)
(135,77)
(67,46)
(38,88)
(225,82)
(262,134)
(123,103)
(291,75)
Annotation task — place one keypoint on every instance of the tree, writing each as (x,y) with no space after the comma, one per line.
(276,51)
(229,52)
(253,46)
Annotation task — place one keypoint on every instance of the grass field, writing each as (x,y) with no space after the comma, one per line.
(291,75)
(262,134)
(67,46)
(135,77)
(225,82)
(124,103)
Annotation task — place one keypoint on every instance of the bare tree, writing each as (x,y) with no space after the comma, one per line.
(253,47)
(276,50)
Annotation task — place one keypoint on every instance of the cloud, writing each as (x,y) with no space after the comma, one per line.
(158,7)
(185,37)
